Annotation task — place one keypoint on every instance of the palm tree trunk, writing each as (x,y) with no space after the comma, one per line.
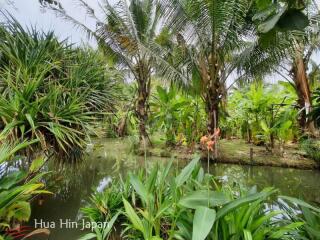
(144,81)
(142,113)
(303,92)
(212,104)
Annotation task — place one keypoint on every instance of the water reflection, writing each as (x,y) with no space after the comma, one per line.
(106,160)
(303,184)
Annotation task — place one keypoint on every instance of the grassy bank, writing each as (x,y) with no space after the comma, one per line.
(238,152)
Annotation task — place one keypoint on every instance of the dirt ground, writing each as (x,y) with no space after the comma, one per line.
(237,151)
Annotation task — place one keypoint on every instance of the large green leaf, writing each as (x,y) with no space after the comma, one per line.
(247,235)
(133,217)
(203,221)
(186,172)
(139,188)
(12,179)
(293,19)
(244,200)
(300,203)
(202,198)
(273,19)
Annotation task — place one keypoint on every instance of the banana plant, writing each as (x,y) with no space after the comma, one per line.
(180,116)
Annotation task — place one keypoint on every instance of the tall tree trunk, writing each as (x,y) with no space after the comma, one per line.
(212,89)
(142,114)
(303,92)
(142,103)
(212,105)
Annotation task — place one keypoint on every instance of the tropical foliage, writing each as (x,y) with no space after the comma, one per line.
(201,46)
(50,91)
(17,188)
(298,210)
(182,117)
(186,70)
(124,37)
(288,37)
(262,114)
(190,204)
(208,39)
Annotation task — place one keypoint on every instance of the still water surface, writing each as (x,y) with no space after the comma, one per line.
(109,158)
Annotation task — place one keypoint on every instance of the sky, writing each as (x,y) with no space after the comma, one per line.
(30,13)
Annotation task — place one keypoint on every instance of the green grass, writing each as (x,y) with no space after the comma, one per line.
(237,151)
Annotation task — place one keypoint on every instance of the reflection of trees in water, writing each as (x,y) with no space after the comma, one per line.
(72,185)
(69,185)
(293,182)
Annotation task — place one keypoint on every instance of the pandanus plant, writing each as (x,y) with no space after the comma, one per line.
(50,91)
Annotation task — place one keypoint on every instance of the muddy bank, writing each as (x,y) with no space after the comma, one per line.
(238,152)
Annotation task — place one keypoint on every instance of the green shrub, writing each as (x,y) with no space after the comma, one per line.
(312,148)
(189,204)
(51,91)
(17,188)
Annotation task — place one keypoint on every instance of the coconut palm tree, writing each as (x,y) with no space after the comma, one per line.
(124,35)
(208,36)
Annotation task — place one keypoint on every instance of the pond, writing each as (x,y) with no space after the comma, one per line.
(109,158)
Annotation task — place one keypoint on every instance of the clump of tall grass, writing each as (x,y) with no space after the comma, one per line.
(50,90)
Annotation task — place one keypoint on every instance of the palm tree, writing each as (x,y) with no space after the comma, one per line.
(208,37)
(124,35)
(288,52)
